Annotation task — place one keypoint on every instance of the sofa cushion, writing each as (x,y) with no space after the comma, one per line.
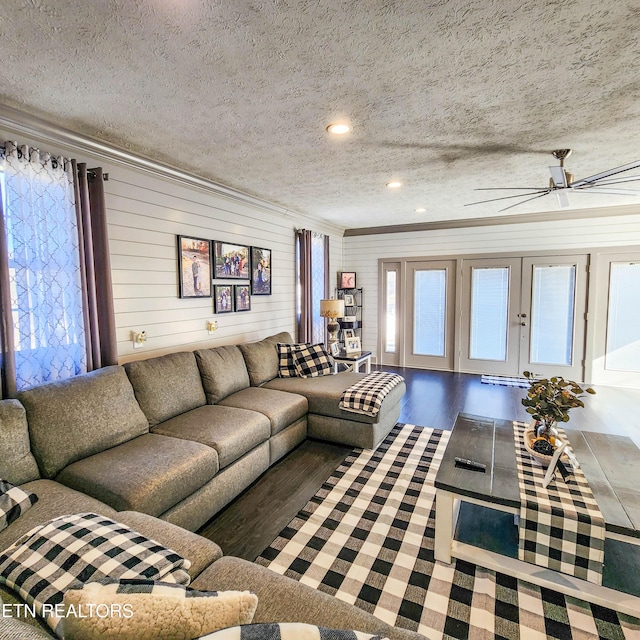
(150,474)
(323,394)
(230,431)
(223,372)
(262,358)
(54,500)
(166,386)
(17,464)
(75,418)
(281,408)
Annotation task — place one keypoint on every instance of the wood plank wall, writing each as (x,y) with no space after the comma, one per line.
(362,252)
(145,212)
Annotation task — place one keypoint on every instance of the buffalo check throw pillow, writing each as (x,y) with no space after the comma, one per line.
(287,631)
(287,364)
(14,501)
(68,551)
(312,361)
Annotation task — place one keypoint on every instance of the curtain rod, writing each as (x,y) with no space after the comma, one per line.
(90,172)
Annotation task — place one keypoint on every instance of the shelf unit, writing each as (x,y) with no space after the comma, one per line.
(351,310)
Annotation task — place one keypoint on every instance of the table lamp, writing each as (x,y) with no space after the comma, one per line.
(332,309)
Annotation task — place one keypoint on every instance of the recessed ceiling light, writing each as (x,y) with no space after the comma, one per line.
(394,184)
(420,210)
(338,128)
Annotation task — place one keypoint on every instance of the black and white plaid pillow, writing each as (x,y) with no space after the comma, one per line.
(68,551)
(14,501)
(312,361)
(287,631)
(287,365)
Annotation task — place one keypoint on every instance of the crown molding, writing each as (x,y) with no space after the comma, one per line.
(34,127)
(524,218)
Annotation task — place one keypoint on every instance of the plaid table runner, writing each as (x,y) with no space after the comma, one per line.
(367,395)
(561,527)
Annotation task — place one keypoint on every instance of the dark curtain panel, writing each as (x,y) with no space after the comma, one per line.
(304,239)
(96,268)
(8,369)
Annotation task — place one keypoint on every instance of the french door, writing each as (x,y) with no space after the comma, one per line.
(524,314)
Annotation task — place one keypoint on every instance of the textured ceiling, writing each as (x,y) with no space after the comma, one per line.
(446,96)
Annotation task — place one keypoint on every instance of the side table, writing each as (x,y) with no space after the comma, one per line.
(353,361)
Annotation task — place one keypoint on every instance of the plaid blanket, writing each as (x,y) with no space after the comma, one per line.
(367,395)
(561,527)
(71,550)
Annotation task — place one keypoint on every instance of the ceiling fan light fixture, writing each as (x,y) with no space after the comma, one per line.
(339,128)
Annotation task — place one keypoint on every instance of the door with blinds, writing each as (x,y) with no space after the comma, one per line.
(524,314)
(429,323)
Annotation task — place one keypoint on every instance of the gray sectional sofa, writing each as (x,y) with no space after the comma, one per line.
(163,444)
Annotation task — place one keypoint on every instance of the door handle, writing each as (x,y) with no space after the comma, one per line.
(524,324)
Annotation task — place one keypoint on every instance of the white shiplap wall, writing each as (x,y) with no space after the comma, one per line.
(362,252)
(145,212)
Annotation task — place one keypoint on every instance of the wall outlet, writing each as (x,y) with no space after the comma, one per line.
(212,325)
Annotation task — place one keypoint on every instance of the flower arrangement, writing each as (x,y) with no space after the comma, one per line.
(548,401)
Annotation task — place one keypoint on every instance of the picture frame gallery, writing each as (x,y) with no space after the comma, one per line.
(201,262)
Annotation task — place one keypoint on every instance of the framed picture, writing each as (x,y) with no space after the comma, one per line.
(349,300)
(335,349)
(223,299)
(347,280)
(352,345)
(243,297)
(348,334)
(194,267)
(260,271)
(232,260)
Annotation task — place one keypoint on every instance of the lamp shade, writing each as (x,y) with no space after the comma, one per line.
(332,308)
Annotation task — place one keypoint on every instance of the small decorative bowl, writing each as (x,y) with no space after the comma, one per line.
(542,459)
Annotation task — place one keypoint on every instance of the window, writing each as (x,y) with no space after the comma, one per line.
(44,267)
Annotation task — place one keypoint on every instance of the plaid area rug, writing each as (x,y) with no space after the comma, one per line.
(505,381)
(366,537)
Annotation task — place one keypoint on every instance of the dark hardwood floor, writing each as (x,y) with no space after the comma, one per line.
(433,399)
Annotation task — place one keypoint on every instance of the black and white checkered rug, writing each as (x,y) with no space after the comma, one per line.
(366,537)
(505,381)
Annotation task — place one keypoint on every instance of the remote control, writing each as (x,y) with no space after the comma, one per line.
(472,465)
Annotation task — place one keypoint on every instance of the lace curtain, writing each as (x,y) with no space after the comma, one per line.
(44,266)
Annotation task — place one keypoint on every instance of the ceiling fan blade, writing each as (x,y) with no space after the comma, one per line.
(519,195)
(558,177)
(533,189)
(563,198)
(546,192)
(616,180)
(606,174)
(611,192)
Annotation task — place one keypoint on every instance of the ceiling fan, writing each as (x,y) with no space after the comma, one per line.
(562,182)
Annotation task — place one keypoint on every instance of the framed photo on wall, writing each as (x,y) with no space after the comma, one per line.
(347,280)
(243,297)
(260,271)
(232,260)
(223,299)
(194,267)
